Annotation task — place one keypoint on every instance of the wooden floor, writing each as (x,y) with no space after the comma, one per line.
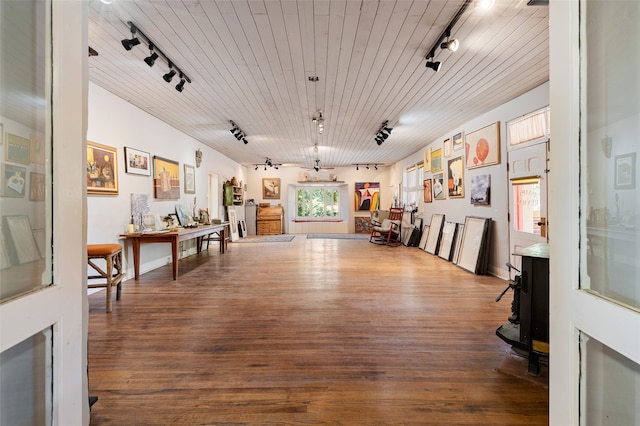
(312,331)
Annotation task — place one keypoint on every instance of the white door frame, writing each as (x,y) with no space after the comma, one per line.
(573,310)
(63,305)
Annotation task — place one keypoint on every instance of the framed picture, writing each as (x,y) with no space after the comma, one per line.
(427,160)
(472,254)
(102,169)
(446,148)
(435,228)
(13,180)
(36,186)
(18,149)
(427,191)
(436,160)
(448,236)
(137,162)
(367,196)
(37,148)
(233,223)
(481,190)
(482,147)
(271,188)
(458,141)
(242,229)
(625,171)
(455,183)
(181,215)
(21,245)
(189,179)
(166,179)
(438,186)
(424,237)
(457,244)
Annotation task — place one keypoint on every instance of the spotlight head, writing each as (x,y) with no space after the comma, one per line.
(180,86)
(387,129)
(367,167)
(169,76)
(375,166)
(451,45)
(316,168)
(246,142)
(151,59)
(379,141)
(256,168)
(275,167)
(129,43)
(433,65)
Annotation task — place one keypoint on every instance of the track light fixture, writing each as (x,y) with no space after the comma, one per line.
(368,166)
(318,120)
(433,65)
(156,53)
(383,133)
(268,162)
(180,86)
(237,133)
(443,41)
(169,76)
(151,59)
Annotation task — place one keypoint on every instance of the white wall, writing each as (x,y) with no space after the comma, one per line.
(117,123)
(457,209)
(292,175)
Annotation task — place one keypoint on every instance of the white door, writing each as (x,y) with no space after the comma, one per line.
(594,197)
(43,365)
(527,198)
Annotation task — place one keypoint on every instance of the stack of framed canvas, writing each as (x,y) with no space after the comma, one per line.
(474,247)
(435,229)
(446,242)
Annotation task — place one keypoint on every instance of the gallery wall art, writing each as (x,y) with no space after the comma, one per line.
(166,179)
(102,169)
(367,196)
(482,147)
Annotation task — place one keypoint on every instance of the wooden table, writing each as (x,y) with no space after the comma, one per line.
(173,237)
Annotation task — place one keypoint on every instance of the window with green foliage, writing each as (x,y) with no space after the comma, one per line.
(318,203)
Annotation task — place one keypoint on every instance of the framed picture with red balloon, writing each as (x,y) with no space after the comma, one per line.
(482,147)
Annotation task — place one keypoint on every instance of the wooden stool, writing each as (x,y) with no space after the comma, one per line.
(112,255)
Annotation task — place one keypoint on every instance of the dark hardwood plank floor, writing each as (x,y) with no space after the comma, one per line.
(313,331)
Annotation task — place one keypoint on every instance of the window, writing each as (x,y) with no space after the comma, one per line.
(412,184)
(318,203)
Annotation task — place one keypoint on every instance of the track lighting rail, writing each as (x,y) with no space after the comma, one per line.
(136,35)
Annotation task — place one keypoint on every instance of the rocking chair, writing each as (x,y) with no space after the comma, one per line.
(388,232)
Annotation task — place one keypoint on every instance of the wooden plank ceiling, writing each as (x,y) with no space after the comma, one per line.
(250,62)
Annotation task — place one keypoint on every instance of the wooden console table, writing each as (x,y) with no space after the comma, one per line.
(173,237)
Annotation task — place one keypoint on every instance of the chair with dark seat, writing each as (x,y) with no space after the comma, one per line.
(388,231)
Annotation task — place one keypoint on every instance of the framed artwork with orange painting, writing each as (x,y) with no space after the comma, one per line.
(482,147)
(367,196)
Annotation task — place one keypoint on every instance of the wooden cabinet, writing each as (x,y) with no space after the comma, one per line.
(269,220)
(233,195)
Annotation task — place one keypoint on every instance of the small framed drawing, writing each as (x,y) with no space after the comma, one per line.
(436,160)
(427,190)
(271,188)
(626,171)
(36,187)
(22,246)
(438,186)
(455,168)
(446,148)
(102,169)
(189,179)
(458,141)
(482,147)
(14,180)
(166,179)
(481,190)
(137,162)
(426,167)
(18,149)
